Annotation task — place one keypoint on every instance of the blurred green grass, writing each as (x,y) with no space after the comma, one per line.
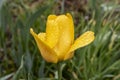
(20,57)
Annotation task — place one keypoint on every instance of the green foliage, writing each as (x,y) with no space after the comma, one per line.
(21,59)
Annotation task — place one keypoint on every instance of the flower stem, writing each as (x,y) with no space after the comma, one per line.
(59,71)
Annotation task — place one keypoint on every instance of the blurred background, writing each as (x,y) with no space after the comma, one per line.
(20,58)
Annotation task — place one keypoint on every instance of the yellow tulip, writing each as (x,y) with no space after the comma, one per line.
(58,44)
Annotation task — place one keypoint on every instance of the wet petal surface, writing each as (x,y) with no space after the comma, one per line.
(47,53)
(83,40)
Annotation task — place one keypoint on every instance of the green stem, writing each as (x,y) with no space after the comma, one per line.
(59,71)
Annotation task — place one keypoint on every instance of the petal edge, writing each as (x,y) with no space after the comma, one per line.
(83,40)
(47,53)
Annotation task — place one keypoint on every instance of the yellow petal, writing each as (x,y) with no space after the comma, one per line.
(52,31)
(69,16)
(66,36)
(52,17)
(69,55)
(83,40)
(47,53)
(42,36)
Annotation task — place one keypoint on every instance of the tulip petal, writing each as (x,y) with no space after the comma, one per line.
(47,53)
(52,31)
(69,55)
(82,41)
(66,36)
(69,16)
(42,36)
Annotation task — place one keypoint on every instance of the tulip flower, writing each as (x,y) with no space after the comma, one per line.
(57,43)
